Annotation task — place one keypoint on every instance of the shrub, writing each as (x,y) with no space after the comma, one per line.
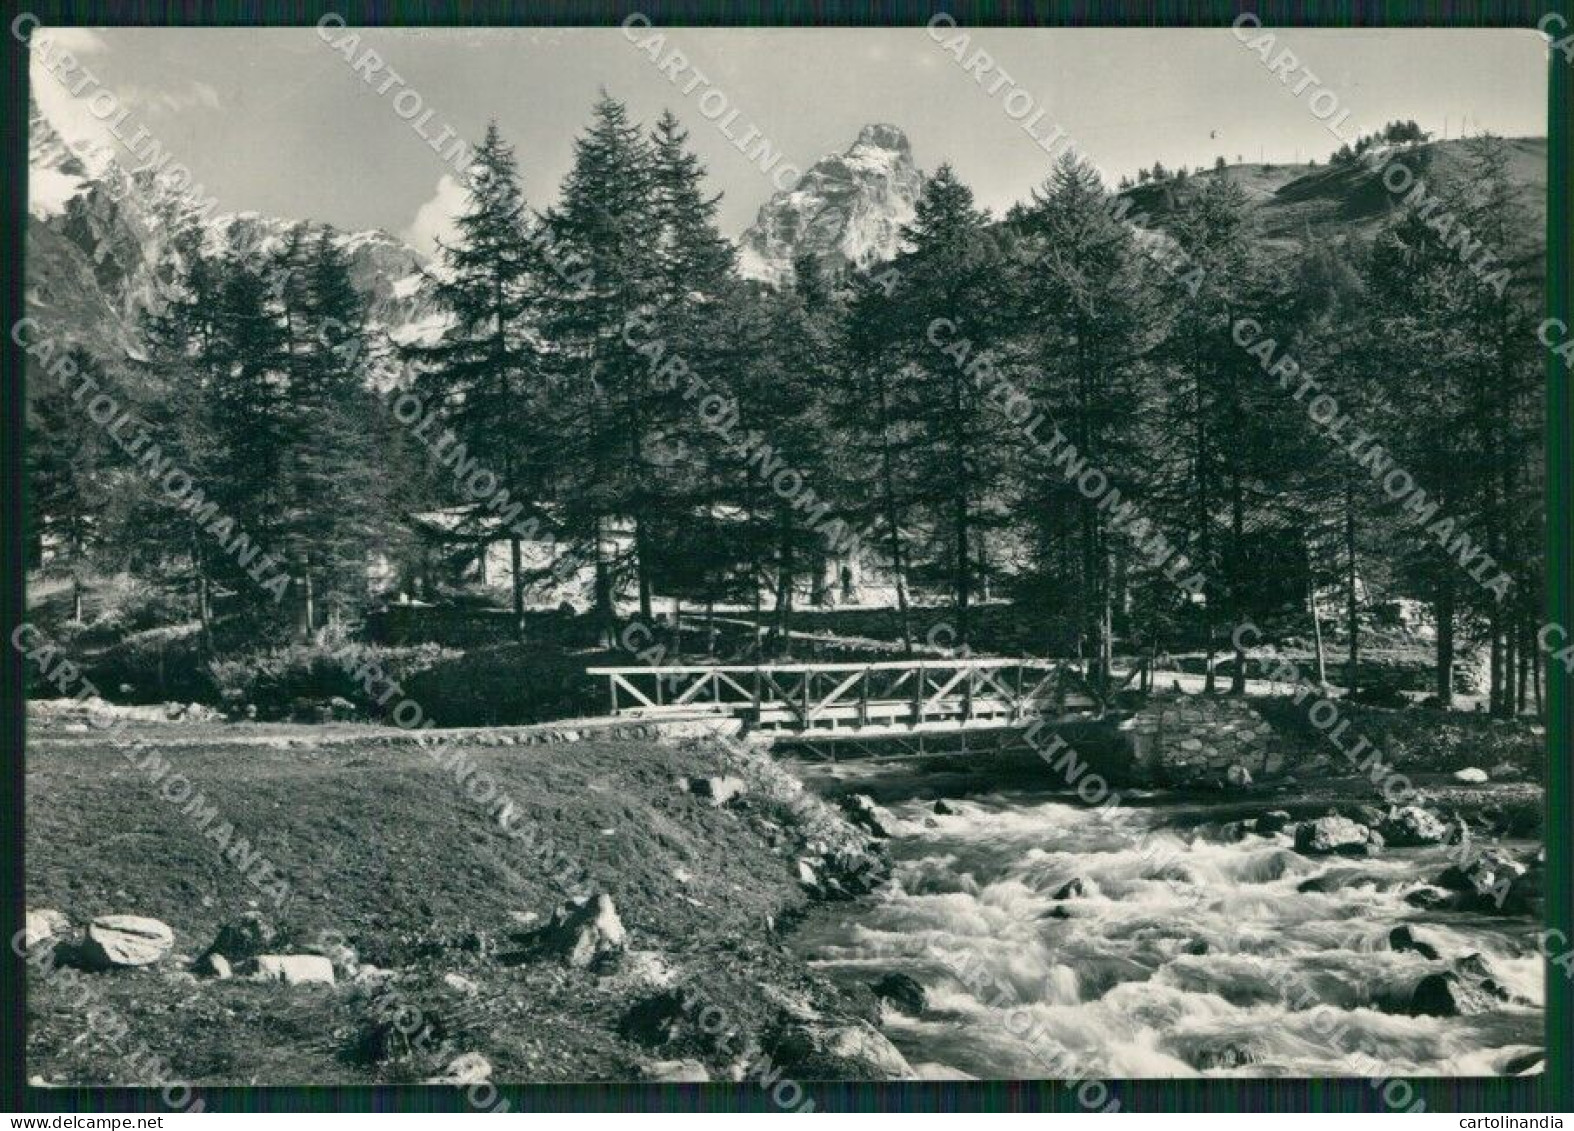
(154,666)
(297,679)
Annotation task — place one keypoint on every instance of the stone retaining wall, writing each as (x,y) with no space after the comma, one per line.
(1198,739)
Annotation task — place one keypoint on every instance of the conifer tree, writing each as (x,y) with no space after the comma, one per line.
(484,374)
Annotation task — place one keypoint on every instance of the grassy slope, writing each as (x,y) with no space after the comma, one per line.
(380,844)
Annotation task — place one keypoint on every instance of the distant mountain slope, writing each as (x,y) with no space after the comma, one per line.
(1295,200)
(849,207)
(99,236)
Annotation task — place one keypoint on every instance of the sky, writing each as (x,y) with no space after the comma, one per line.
(277,121)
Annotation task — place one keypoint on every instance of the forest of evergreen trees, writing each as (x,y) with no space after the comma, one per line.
(946,411)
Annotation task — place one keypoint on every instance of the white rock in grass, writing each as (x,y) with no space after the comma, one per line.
(126,940)
(1471,775)
(45,926)
(295,969)
(467,1068)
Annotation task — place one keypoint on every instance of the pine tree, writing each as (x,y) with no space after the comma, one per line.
(1226,412)
(68,470)
(610,406)
(337,506)
(954,271)
(484,375)
(1084,303)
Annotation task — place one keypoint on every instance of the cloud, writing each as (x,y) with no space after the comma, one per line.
(79,41)
(434,220)
(58,63)
(187,97)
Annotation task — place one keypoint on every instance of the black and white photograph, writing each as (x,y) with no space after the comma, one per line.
(759,556)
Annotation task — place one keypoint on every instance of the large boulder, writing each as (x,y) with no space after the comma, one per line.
(295,969)
(864,813)
(1327,836)
(905,993)
(1271,822)
(840,1052)
(584,931)
(1492,881)
(126,940)
(1472,775)
(1450,994)
(1413,826)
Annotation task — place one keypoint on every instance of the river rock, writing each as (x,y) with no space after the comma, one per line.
(46,926)
(1413,826)
(585,931)
(1238,777)
(1073,888)
(295,969)
(126,940)
(944,810)
(716,790)
(687,1071)
(841,1052)
(806,875)
(905,993)
(1332,835)
(1525,1064)
(1271,822)
(864,813)
(1450,994)
(1403,938)
(1426,896)
(1491,882)
(1471,775)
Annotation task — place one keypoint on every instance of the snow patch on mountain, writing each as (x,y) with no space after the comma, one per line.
(849,207)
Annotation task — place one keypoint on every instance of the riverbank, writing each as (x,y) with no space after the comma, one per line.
(435,880)
(741,898)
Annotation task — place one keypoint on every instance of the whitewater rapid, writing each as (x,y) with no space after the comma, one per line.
(1188,953)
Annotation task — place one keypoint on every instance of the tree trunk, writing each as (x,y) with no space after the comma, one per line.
(1535,680)
(1352,604)
(963,572)
(517,564)
(1317,635)
(785,570)
(1524,647)
(308,603)
(1237,612)
(204,598)
(606,611)
(1495,681)
(1445,639)
(642,552)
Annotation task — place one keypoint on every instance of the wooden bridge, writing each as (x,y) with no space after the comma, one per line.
(855,700)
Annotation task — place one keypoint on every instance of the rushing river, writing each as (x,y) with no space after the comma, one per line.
(1188,953)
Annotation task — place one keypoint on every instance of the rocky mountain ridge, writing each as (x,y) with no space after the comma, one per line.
(100,248)
(849,207)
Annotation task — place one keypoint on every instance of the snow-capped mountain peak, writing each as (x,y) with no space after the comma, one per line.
(849,206)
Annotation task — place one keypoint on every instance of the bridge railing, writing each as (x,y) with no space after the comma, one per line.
(889,693)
